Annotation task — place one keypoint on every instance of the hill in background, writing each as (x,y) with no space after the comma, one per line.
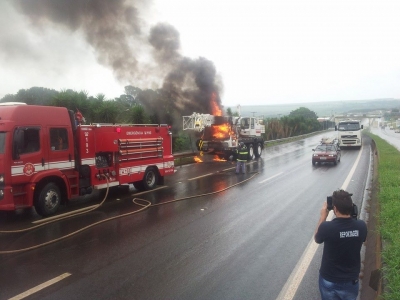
(322,109)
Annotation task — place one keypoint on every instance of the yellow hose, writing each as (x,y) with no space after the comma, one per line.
(135,200)
(63,218)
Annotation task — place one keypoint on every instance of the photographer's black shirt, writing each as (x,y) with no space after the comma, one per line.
(342,238)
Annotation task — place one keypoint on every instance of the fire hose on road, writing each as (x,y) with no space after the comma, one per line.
(145,204)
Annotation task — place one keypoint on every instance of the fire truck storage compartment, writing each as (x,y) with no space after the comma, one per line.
(134,149)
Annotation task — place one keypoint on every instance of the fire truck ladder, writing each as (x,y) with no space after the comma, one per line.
(134,149)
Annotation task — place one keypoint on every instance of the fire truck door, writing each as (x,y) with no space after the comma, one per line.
(27,154)
(59,145)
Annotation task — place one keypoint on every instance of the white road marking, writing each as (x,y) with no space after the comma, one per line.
(269,178)
(200,176)
(64,214)
(292,284)
(149,191)
(229,169)
(40,287)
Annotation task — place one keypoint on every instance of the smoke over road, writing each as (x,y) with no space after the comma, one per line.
(138,55)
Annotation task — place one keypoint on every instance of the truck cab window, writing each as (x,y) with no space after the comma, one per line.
(58,139)
(244,123)
(26,140)
(2,142)
(31,140)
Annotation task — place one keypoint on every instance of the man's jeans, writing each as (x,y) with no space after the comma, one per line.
(240,165)
(338,291)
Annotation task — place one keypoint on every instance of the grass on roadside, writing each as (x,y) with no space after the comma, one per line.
(389,215)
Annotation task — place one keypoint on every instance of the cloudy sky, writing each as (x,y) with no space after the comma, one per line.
(264,51)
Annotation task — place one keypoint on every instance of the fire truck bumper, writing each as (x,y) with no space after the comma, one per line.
(6,199)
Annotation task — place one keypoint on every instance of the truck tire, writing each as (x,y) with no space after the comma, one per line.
(258,150)
(48,200)
(150,179)
(139,185)
(251,152)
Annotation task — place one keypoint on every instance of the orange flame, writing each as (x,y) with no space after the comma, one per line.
(216,110)
(221,131)
(216,158)
(197,159)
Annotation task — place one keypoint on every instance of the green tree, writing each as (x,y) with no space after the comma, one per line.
(107,113)
(303,112)
(32,96)
(9,98)
(132,93)
(138,115)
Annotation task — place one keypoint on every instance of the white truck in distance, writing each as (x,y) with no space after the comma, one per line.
(349,133)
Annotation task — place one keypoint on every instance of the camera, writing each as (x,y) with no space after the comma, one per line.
(354,211)
(329,202)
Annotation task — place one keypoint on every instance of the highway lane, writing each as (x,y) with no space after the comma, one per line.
(388,135)
(242,243)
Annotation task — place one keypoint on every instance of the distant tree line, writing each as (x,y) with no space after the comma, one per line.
(149,106)
(124,109)
(298,122)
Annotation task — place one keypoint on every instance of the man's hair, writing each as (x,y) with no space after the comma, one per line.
(343,202)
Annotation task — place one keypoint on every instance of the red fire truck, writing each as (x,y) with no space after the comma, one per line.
(47,157)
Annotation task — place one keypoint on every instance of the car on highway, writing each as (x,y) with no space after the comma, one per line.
(326,152)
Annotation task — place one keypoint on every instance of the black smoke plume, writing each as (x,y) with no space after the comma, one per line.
(117,33)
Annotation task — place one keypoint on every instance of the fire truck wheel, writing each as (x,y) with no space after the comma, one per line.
(258,150)
(150,179)
(48,200)
(139,185)
(251,152)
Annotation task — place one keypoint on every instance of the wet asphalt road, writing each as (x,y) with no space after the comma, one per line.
(388,135)
(240,243)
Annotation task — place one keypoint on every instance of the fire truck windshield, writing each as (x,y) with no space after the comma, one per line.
(349,126)
(2,142)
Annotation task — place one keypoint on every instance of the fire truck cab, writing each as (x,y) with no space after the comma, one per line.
(47,157)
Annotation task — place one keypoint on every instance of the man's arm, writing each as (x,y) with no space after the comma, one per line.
(322,218)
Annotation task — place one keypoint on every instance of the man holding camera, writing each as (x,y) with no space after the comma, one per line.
(342,238)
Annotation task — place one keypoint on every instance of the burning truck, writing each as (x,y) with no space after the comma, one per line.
(221,135)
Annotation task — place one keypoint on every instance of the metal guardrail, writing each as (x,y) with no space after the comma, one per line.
(294,137)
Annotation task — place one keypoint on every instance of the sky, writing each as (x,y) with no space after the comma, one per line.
(264,52)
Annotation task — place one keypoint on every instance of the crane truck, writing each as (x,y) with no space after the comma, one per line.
(221,135)
(48,157)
